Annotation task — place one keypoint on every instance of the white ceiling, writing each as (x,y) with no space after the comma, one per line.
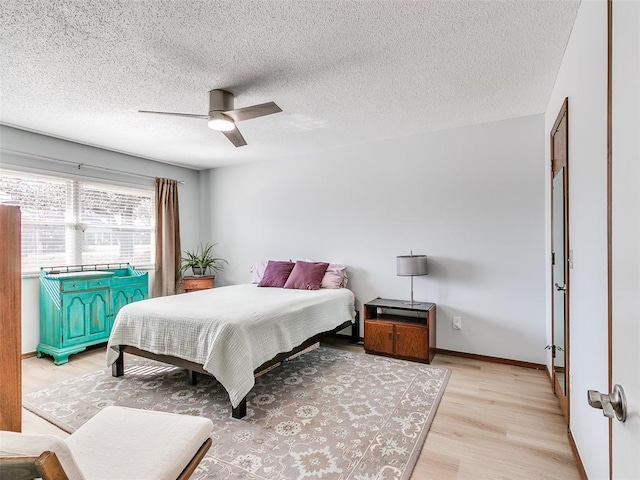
(342,71)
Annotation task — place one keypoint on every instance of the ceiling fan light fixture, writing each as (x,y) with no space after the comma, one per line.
(222,116)
(221,123)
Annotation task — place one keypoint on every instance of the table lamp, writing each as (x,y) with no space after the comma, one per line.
(412,265)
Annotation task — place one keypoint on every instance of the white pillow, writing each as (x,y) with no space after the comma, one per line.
(335,276)
(257,271)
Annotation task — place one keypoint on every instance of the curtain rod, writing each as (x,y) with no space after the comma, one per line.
(79,165)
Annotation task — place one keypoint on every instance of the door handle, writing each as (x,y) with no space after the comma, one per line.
(612,405)
(561,288)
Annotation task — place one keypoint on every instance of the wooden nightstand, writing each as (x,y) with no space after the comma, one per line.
(396,329)
(200,282)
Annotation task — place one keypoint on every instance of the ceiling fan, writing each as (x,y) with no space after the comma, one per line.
(223,117)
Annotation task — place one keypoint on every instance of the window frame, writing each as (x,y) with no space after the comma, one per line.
(73,224)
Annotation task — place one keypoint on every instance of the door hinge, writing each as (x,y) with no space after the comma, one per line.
(553,258)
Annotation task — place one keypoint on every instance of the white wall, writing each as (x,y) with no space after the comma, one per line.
(32,143)
(582,78)
(472,199)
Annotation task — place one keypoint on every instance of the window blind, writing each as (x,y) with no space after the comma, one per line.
(71,222)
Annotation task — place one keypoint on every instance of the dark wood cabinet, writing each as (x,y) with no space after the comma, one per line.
(199,282)
(378,337)
(412,342)
(400,329)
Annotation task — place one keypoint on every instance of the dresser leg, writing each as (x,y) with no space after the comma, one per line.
(61,359)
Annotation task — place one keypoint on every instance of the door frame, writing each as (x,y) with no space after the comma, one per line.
(563,399)
(623,228)
(609,217)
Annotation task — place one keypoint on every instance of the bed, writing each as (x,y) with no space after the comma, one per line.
(229,332)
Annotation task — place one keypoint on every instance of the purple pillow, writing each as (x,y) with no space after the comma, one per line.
(276,274)
(306,275)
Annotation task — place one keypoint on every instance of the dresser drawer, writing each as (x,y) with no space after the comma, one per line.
(77,281)
(73,285)
(98,283)
(77,285)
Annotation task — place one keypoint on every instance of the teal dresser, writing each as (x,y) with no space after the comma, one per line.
(79,304)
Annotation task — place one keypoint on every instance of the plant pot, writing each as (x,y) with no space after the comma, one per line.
(199,270)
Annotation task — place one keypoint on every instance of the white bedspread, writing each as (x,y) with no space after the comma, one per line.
(231,330)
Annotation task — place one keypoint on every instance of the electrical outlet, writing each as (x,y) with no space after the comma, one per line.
(457,323)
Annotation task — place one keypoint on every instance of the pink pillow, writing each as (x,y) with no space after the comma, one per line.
(335,276)
(306,275)
(257,271)
(276,274)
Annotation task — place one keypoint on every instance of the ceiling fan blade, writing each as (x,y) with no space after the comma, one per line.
(247,113)
(190,115)
(235,137)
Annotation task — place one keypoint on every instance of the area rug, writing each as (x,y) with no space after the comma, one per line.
(328,414)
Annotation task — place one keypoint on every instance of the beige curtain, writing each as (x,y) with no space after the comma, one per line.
(168,251)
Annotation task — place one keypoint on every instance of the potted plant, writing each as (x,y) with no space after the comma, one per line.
(201,260)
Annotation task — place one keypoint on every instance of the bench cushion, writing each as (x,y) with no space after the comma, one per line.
(125,443)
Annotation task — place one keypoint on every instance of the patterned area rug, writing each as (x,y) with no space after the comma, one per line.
(328,414)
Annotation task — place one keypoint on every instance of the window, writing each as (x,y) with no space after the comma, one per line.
(72,222)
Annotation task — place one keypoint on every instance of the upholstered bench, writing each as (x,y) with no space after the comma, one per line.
(117,443)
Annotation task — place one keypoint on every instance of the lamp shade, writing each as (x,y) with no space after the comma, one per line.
(412,265)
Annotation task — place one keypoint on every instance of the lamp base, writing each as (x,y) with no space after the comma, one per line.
(412,303)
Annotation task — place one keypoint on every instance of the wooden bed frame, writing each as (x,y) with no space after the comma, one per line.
(117,369)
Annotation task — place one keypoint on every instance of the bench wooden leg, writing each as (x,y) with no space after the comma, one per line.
(193,464)
(241,410)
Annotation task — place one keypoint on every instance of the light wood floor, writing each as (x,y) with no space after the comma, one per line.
(494,421)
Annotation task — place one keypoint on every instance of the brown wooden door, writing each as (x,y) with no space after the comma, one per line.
(10,338)
(378,337)
(560,256)
(411,341)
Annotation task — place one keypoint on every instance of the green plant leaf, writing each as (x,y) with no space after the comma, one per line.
(203,257)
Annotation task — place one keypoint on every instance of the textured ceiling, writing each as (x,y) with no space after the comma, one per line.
(342,71)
